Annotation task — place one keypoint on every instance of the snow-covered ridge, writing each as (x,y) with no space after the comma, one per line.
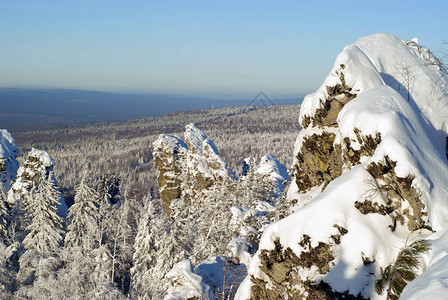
(374,150)
(385,59)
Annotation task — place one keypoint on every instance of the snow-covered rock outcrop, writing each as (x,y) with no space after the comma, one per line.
(370,175)
(8,159)
(274,170)
(187,166)
(37,166)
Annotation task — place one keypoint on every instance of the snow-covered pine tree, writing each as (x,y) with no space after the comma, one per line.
(144,249)
(168,253)
(249,193)
(101,272)
(86,251)
(74,278)
(212,216)
(157,249)
(6,273)
(109,189)
(44,237)
(3,215)
(120,238)
(143,246)
(82,228)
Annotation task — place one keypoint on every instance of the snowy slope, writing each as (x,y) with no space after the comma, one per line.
(373,151)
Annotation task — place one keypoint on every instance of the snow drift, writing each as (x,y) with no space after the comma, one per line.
(370,176)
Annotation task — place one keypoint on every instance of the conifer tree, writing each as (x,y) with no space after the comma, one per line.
(143,250)
(83,218)
(3,214)
(103,264)
(86,249)
(44,237)
(156,251)
(110,189)
(6,273)
(398,274)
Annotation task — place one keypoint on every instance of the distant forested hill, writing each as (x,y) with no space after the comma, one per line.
(49,108)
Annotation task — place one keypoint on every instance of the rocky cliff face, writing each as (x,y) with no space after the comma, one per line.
(374,153)
(8,159)
(187,166)
(169,155)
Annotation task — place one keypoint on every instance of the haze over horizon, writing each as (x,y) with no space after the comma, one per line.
(204,48)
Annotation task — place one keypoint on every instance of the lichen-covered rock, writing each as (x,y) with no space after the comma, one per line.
(36,167)
(403,199)
(283,269)
(319,158)
(8,159)
(318,161)
(170,155)
(366,147)
(370,175)
(337,96)
(187,166)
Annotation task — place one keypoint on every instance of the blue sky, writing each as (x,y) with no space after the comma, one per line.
(208,48)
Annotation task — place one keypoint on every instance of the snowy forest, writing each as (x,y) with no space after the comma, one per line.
(83,217)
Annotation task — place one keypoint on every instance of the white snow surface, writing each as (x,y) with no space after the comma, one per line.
(43,156)
(8,156)
(221,274)
(238,247)
(185,284)
(385,59)
(433,283)
(172,142)
(8,146)
(270,166)
(202,154)
(195,138)
(212,277)
(413,134)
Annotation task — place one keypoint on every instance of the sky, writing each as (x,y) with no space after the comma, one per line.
(222,49)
